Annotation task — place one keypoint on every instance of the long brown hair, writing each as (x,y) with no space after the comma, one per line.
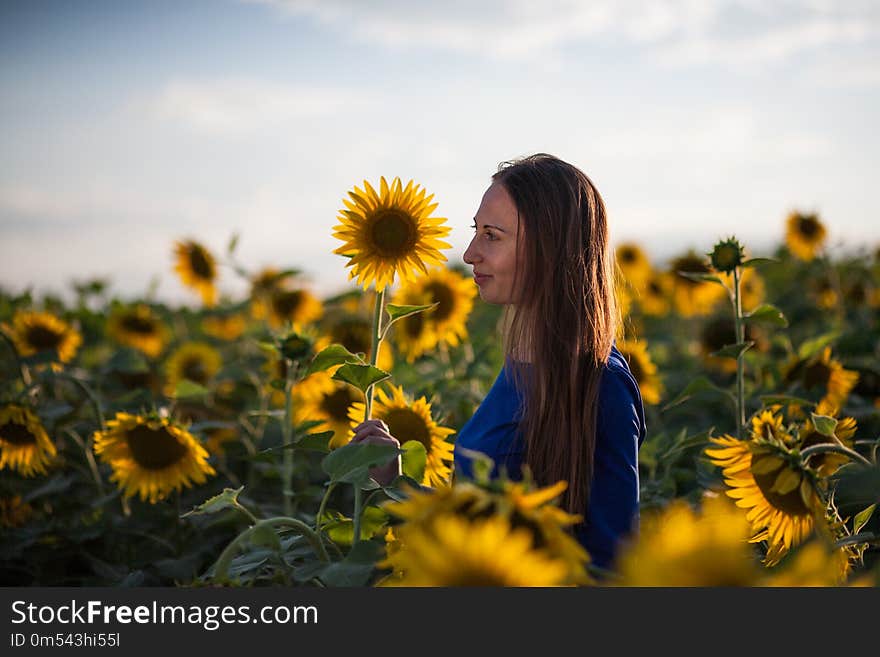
(561,325)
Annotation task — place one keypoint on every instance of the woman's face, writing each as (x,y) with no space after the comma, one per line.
(493,249)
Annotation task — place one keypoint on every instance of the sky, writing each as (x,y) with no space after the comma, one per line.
(125,126)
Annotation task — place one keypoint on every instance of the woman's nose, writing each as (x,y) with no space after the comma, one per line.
(470,254)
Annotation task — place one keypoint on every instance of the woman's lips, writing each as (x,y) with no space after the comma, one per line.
(481,278)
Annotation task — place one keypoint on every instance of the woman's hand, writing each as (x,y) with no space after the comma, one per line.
(375,432)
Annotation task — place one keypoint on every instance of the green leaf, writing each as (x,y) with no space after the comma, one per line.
(399,312)
(824,424)
(265,536)
(733,350)
(345,574)
(751,262)
(857,486)
(187,389)
(226,500)
(812,347)
(350,463)
(699,385)
(862,518)
(414,459)
(700,277)
(335,354)
(316,442)
(233,242)
(767,314)
(360,376)
(269,348)
(373,522)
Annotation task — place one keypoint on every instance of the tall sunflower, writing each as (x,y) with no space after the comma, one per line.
(34,332)
(390,232)
(151,457)
(197,269)
(825,372)
(680,546)
(656,295)
(446,323)
(694,297)
(804,235)
(263,283)
(455,551)
(319,397)
(24,444)
(780,496)
(634,265)
(198,362)
(297,306)
(643,369)
(224,327)
(411,420)
(138,327)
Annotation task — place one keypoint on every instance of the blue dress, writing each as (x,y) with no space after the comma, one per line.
(613,510)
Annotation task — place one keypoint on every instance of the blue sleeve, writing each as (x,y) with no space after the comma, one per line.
(613,510)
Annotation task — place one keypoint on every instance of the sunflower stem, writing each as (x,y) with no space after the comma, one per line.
(221,568)
(358,507)
(96,403)
(374,348)
(323,505)
(287,432)
(740,338)
(90,459)
(867,537)
(826,448)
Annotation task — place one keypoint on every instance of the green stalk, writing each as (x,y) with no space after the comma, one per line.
(287,432)
(740,338)
(374,348)
(826,448)
(323,505)
(358,507)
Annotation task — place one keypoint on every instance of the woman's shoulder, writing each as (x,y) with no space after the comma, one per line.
(619,395)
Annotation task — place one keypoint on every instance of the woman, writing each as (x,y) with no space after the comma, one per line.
(565,402)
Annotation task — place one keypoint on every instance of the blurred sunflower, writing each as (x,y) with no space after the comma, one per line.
(780,497)
(224,327)
(138,327)
(151,457)
(14,512)
(804,235)
(354,333)
(197,269)
(198,362)
(811,565)
(263,283)
(33,332)
(24,444)
(643,369)
(217,437)
(751,288)
(411,420)
(390,233)
(634,265)
(319,397)
(694,297)
(299,307)
(656,294)
(444,324)
(678,546)
(824,292)
(455,551)
(827,464)
(823,371)
(719,331)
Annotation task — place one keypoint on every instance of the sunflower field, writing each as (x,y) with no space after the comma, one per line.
(208,444)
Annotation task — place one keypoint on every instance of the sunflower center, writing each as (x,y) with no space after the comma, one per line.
(154,449)
(336,404)
(200,263)
(41,338)
(790,503)
(138,324)
(393,233)
(194,369)
(808,227)
(17,434)
(353,334)
(406,425)
(413,325)
(654,289)
(441,294)
(286,302)
(628,255)
(816,374)
(690,264)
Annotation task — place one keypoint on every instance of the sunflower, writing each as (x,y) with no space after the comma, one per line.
(263,283)
(198,362)
(811,565)
(14,512)
(828,373)
(138,327)
(656,294)
(354,333)
(634,265)
(804,235)
(454,551)
(445,324)
(680,546)
(767,425)
(827,464)
(719,331)
(824,292)
(390,233)
(412,421)
(319,397)
(24,444)
(643,369)
(34,332)
(751,288)
(297,306)
(197,269)
(151,457)
(694,297)
(780,497)
(217,437)
(224,327)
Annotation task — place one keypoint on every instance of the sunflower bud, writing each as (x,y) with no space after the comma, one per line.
(727,255)
(296,347)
